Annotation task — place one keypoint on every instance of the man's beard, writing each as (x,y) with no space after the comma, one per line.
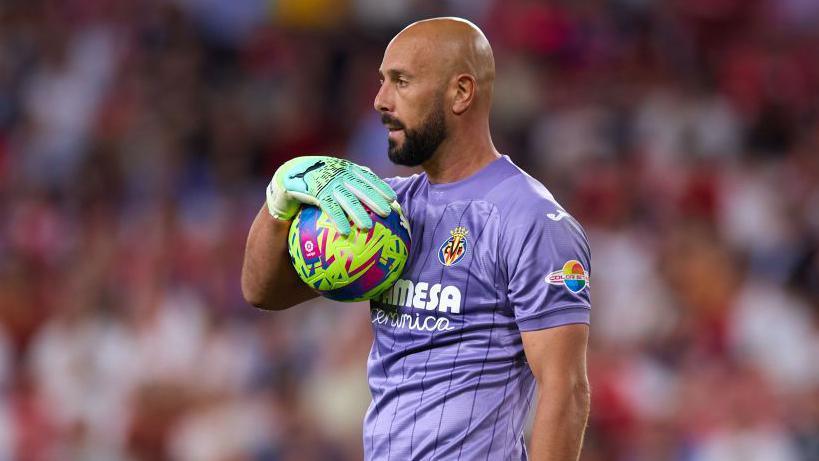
(419,144)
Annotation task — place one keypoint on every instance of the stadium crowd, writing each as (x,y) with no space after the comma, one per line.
(136,139)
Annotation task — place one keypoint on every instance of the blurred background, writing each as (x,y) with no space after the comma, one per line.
(137,137)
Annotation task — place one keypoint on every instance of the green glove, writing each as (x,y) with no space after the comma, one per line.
(335,185)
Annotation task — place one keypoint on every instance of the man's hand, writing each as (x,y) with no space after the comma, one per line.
(337,186)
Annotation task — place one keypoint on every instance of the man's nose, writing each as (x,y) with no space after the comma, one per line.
(383,101)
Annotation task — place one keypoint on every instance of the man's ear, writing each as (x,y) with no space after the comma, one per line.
(466,89)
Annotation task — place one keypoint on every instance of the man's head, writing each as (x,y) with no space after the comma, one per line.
(436,80)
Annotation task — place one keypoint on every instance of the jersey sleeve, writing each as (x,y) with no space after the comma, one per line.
(548,264)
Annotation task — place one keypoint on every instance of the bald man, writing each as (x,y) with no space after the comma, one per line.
(490,317)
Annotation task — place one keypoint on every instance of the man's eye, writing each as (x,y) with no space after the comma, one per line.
(402,83)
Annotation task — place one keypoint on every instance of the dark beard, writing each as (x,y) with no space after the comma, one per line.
(420,144)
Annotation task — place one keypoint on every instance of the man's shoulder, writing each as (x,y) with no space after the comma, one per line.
(527,207)
(402,181)
(520,195)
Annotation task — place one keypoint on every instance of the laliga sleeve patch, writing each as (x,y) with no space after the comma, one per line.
(573,276)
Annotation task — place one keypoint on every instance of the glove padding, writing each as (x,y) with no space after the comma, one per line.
(335,185)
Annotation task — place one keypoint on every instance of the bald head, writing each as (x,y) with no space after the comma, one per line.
(453,45)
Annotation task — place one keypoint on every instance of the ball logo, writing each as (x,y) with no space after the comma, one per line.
(573,276)
(454,249)
(309,249)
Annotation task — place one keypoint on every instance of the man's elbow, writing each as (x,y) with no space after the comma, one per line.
(266,301)
(256,302)
(265,304)
(569,396)
(581,396)
(256,297)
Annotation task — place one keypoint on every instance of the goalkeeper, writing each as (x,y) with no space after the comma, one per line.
(496,295)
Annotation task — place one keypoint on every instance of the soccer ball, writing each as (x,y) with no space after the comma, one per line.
(348,268)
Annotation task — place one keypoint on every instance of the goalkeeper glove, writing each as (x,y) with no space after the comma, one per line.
(335,185)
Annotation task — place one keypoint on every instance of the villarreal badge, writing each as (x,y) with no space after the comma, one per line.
(454,249)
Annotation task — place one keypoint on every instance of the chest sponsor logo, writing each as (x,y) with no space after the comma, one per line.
(454,249)
(422,295)
(573,276)
(423,298)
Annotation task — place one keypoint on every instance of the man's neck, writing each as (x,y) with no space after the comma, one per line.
(459,158)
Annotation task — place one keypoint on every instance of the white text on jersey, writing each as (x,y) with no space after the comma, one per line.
(422,295)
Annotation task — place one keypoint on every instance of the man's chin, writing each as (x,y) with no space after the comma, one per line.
(394,154)
(398,156)
(401,157)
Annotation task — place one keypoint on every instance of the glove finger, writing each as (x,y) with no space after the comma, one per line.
(352,206)
(396,207)
(333,209)
(375,182)
(369,196)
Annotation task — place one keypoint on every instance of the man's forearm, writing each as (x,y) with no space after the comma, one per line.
(268,281)
(560,421)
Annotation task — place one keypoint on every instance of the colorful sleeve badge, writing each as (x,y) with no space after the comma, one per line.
(573,276)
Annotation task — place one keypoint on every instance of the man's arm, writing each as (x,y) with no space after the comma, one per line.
(268,280)
(557,357)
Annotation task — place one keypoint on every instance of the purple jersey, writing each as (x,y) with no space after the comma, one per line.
(492,255)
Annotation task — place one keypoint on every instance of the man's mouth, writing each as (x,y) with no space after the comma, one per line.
(391,124)
(395,134)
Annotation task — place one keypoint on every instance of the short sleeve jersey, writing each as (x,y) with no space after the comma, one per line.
(492,255)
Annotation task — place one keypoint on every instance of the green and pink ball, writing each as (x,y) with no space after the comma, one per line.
(356,267)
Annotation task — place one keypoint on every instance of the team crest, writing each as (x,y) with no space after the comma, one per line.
(454,249)
(573,276)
